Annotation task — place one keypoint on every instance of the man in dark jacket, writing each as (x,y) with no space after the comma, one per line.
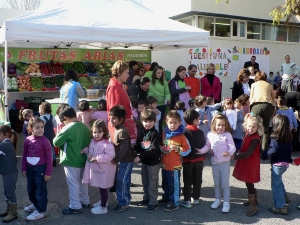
(133,65)
(139,88)
(252,63)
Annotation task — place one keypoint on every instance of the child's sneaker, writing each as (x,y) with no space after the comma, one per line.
(29,208)
(185,204)
(35,215)
(216,204)
(170,207)
(151,208)
(99,204)
(196,202)
(99,210)
(120,208)
(143,202)
(282,211)
(163,201)
(68,211)
(226,207)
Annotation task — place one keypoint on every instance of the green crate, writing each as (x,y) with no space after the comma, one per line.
(34,99)
(27,99)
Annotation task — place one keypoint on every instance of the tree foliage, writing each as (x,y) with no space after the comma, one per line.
(21,4)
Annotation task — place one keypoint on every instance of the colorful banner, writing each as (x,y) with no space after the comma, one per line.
(221,57)
(67,55)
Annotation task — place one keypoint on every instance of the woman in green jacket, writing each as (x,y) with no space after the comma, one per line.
(159,89)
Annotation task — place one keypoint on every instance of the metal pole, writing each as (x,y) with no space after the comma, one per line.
(5,80)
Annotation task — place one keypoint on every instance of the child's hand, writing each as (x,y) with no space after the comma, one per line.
(226,154)
(113,162)
(137,159)
(232,157)
(82,151)
(47,178)
(205,121)
(211,152)
(199,151)
(293,163)
(155,111)
(24,173)
(295,129)
(91,159)
(173,147)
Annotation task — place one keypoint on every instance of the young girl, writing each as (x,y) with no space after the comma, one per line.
(247,166)
(99,171)
(238,133)
(25,115)
(230,113)
(280,151)
(59,124)
(49,124)
(221,146)
(101,112)
(245,102)
(9,171)
(37,167)
(84,114)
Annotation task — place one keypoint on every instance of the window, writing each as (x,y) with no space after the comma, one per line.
(281,33)
(206,23)
(238,28)
(294,34)
(253,30)
(242,29)
(235,28)
(267,32)
(188,21)
(222,27)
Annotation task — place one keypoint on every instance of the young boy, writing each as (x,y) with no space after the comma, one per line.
(277,80)
(124,156)
(270,79)
(174,147)
(147,144)
(205,113)
(193,162)
(179,106)
(73,137)
(238,133)
(284,110)
(211,101)
(152,104)
(142,106)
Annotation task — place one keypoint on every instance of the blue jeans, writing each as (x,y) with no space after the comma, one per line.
(53,153)
(37,187)
(238,143)
(277,185)
(123,183)
(171,185)
(162,109)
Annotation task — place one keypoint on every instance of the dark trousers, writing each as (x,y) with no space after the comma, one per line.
(192,179)
(37,187)
(171,185)
(9,183)
(266,112)
(238,143)
(162,109)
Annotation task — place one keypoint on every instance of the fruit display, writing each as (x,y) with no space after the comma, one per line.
(59,80)
(68,66)
(49,82)
(52,68)
(104,80)
(79,67)
(85,82)
(21,67)
(24,82)
(90,67)
(36,82)
(12,83)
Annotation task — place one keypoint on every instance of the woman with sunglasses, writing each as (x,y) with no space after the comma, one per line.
(138,73)
(242,85)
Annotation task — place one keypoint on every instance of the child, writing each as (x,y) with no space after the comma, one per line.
(175,146)
(247,166)
(245,102)
(179,106)
(84,113)
(25,115)
(37,168)
(211,101)
(134,106)
(280,151)
(59,124)
(192,103)
(124,157)
(74,137)
(277,80)
(152,104)
(205,115)
(284,110)
(9,172)
(100,113)
(238,133)
(147,144)
(49,124)
(270,79)
(296,83)
(193,162)
(142,106)
(220,144)
(230,113)
(99,171)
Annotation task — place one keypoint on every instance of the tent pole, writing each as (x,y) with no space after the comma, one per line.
(5,80)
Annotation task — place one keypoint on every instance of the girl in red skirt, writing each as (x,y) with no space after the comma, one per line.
(247,166)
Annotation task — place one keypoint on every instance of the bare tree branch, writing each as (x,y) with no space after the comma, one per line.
(21,4)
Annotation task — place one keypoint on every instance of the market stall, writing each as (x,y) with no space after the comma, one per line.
(58,24)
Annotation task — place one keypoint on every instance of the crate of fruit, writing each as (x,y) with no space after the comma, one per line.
(49,82)
(59,80)
(85,81)
(36,83)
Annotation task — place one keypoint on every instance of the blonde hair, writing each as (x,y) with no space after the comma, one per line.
(211,65)
(257,119)
(118,68)
(219,116)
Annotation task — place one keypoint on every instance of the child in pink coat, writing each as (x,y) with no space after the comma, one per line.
(99,171)
(100,113)
(84,113)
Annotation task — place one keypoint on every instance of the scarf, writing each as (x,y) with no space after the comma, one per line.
(170,134)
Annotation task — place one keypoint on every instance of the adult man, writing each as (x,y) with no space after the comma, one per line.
(139,88)
(252,63)
(288,72)
(133,65)
(192,81)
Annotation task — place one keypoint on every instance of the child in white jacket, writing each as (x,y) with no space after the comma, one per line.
(230,113)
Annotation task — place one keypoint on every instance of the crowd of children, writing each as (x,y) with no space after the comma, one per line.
(225,131)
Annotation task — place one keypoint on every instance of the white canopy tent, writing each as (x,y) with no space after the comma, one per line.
(97,24)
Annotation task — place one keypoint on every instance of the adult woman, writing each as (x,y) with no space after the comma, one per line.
(242,85)
(160,90)
(116,95)
(149,73)
(139,88)
(179,90)
(262,103)
(71,90)
(210,84)
(138,73)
